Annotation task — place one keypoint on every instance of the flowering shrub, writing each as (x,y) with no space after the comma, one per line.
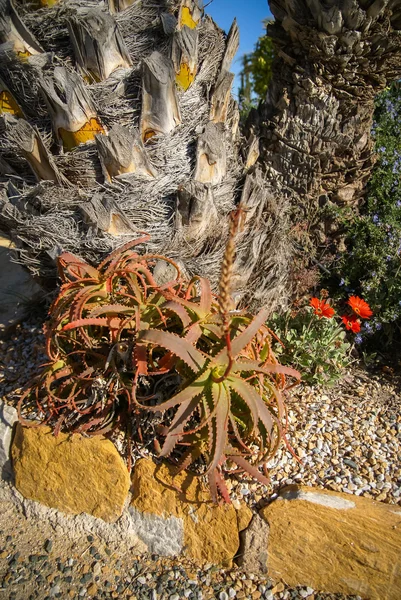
(321,308)
(372,265)
(313,338)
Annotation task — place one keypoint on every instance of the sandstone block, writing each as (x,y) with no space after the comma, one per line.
(70,472)
(210,531)
(335,542)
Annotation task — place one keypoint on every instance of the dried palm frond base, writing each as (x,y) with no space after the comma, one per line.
(141,134)
(133,346)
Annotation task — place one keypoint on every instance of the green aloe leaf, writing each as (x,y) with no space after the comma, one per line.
(221,400)
(178,346)
(243,339)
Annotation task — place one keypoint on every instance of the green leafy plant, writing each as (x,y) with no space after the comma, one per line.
(372,265)
(115,338)
(312,342)
(256,72)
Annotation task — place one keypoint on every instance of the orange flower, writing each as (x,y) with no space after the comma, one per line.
(351,323)
(360,307)
(321,308)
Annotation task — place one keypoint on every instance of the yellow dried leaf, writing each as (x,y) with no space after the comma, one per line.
(9,105)
(186,18)
(149,133)
(71,139)
(24,55)
(185,77)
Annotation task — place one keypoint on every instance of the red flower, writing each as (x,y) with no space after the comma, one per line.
(321,308)
(352,323)
(360,307)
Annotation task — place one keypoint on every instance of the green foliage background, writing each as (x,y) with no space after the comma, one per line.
(256,73)
(372,266)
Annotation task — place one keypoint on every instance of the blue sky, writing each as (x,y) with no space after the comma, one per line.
(250,14)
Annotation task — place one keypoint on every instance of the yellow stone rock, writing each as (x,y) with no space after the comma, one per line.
(335,542)
(210,531)
(244,516)
(70,472)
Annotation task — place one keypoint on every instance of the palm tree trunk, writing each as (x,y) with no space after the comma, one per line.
(315,126)
(131,127)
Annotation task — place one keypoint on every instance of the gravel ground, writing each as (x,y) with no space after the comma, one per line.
(347,439)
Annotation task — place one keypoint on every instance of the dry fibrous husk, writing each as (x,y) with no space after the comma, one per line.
(126,148)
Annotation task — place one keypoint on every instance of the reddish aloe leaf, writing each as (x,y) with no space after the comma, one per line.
(116,254)
(178,346)
(221,399)
(76,267)
(69,289)
(243,339)
(141,359)
(248,395)
(253,365)
(205,301)
(265,416)
(208,414)
(111,309)
(138,270)
(216,482)
(211,477)
(175,432)
(193,334)
(248,468)
(179,310)
(195,389)
(101,321)
(84,296)
(189,457)
(205,296)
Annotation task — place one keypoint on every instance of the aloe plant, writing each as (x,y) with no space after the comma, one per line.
(231,409)
(90,339)
(114,333)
